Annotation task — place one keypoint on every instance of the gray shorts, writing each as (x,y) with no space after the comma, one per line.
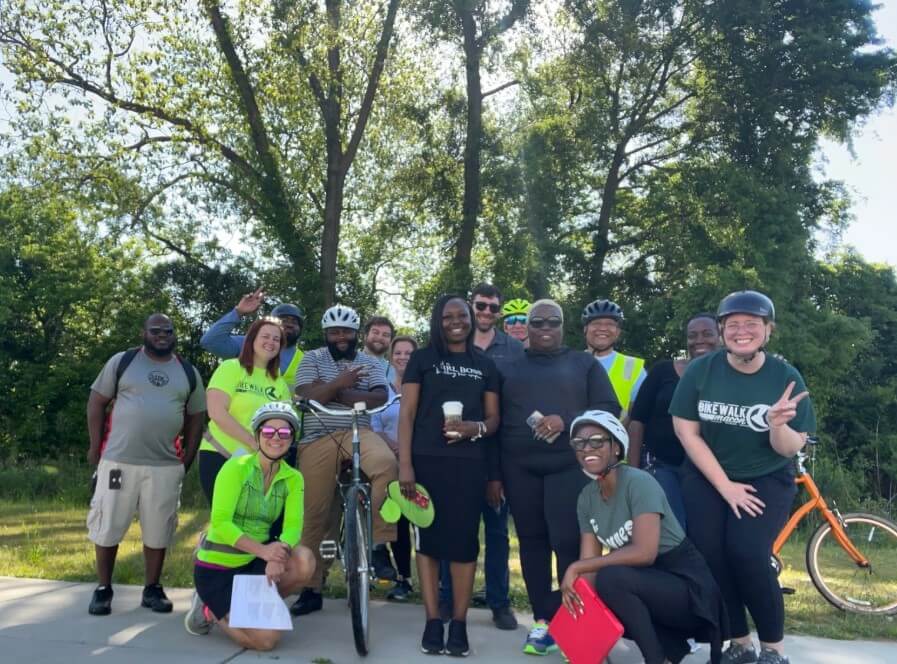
(152,492)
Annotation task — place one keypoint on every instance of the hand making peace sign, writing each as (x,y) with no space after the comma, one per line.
(785,409)
(250,302)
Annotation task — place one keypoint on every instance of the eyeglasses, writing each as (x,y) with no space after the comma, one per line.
(515,320)
(284,433)
(160,330)
(491,306)
(554,322)
(750,326)
(595,442)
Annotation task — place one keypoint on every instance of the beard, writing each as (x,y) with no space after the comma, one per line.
(337,354)
(292,338)
(155,351)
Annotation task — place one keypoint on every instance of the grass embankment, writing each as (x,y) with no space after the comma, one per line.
(46,538)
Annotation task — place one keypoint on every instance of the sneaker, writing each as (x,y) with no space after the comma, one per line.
(101,602)
(400,591)
(309,601)
(770,656)
(456,645)
(693,646)
(445,611)
(154,598)
(383,568)
(539,641)
(504,618)
(195,622)
(433,641)
(478,599)
(738,654)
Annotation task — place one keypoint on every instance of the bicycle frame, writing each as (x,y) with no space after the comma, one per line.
(817,502)
(364,488)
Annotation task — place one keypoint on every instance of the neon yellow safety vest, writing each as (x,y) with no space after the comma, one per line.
(290,374)
(623,374)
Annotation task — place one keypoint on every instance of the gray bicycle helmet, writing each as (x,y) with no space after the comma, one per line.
(275,410)
(601,309)
(749,302)
(286,309)
(340,316)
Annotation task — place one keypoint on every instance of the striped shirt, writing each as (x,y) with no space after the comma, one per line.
(319,364)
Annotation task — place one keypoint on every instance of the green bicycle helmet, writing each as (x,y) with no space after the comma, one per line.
(515,307)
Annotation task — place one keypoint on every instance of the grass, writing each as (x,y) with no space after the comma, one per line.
(43,535)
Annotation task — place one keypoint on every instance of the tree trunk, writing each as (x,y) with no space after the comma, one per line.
(600,239)
(333,208)
(461,272)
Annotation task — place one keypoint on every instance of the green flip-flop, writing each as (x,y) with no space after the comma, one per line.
(418,510)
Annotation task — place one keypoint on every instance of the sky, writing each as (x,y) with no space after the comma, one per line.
(870,173)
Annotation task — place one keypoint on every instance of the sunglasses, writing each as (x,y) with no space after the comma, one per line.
(592,442)
(554,322)
(515,320)
(491,306)
(284,433)
(160,330)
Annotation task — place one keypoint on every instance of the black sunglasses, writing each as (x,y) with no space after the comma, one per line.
(160,330)
(554,322)
(491,306)
(595,442)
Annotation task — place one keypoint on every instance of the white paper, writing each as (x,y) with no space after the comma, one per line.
(257,605)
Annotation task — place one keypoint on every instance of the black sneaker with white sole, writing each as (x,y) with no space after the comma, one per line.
(456,644)
(433,640)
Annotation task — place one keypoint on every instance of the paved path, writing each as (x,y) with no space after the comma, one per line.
(46,622)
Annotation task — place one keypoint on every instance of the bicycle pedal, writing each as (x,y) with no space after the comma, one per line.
(328,550)
(788,591)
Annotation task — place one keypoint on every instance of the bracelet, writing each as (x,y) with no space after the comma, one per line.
(481,430)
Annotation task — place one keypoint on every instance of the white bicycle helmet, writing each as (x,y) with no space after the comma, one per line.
(607,421)
(340,316)
(275,410)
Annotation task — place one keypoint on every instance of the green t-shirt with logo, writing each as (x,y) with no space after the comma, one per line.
(611,520)
(731,407)
(247,393)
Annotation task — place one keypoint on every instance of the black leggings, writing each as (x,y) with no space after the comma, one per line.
(652,605)
(401,548)
(738,550)
(542,495)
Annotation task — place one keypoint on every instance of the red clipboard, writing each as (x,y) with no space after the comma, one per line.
(590,637)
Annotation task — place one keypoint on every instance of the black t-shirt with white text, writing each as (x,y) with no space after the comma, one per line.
(463,377)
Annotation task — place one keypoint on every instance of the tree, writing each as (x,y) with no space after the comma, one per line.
(182,96)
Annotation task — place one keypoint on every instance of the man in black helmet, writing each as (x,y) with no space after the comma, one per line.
(220,341)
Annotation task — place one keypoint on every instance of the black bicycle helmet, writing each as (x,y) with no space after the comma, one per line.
(286,309)
(601,309)
(749,302)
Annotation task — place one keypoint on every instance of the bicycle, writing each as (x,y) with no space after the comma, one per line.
(355,549)
(851,558)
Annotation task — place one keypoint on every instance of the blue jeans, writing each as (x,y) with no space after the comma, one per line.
(496,565)
(669,478)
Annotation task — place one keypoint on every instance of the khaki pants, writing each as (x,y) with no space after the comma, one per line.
(319,465)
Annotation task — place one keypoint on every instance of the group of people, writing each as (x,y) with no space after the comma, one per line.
(676,541)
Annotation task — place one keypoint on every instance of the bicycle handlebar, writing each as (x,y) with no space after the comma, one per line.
(359,408)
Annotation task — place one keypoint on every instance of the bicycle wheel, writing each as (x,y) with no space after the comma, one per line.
(357,565)
(843,583)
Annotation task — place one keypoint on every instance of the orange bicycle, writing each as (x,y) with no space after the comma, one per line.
(851,558)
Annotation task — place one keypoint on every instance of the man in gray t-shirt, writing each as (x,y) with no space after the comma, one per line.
(140,469)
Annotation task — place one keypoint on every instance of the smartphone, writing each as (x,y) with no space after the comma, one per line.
(534,418)
(115,479)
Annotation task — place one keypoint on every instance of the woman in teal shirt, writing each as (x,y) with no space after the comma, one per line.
(251,492)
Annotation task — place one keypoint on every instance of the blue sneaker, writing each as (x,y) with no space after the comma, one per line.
(539,641)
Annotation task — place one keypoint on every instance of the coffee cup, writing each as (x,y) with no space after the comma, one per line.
(452,411)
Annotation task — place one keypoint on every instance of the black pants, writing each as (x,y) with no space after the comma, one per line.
(738,550)
(651,604)
(542,494)
(401,548)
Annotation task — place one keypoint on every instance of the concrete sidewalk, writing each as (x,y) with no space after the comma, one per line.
(47,622)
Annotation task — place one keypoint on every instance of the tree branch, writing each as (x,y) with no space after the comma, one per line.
(499,88)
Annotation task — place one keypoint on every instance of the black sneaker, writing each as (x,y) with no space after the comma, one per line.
(770,656)
(504,618)
(400,591)
(738,654)
(433,640)
(309,601)
(456,645)
(383,568)
(101,602)
(154,598)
